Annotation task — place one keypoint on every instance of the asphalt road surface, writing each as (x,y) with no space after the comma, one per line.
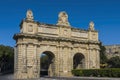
(10,77)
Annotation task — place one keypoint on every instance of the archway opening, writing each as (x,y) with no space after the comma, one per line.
(78,61)
(46,63)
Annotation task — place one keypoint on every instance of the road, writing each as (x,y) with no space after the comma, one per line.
(10,77)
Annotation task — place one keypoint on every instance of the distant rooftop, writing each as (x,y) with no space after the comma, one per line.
(113,45)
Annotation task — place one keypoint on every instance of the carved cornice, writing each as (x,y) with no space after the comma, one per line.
(23,43)
(54,25)
(78,29)
(40,37)
(92,30)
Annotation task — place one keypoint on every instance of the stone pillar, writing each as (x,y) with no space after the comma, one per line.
(60,61)
(70,61)
(21,62)
(52,68)
(38,59)
(94,58)
(15,61)
(17,74)
(65,61)
(35,63)
(31,61)
(87,58)
(24,58)
(57,62)
(90,59)
(97,59)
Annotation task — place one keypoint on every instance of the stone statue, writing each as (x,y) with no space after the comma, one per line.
(63,19)
(91,25)
(29,15)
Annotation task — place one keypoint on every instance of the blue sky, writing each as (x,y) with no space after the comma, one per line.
(104,13)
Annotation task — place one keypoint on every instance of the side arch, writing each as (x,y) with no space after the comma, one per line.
(47,65)
(78,61)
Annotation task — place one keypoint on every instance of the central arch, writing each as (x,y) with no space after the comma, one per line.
(47,60)
(78,61)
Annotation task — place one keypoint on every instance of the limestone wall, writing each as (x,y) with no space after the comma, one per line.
(62,41)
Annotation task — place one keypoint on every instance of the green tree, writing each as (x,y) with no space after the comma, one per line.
(114,62)
(6,58)
(103,57)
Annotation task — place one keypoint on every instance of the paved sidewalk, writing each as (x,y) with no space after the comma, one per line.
(80,78)
(10,77)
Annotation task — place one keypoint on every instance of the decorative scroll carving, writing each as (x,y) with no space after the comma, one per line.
(63,19)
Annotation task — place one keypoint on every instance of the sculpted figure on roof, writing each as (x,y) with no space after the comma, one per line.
(63,19)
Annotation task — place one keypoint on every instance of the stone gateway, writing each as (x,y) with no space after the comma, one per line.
(66,47)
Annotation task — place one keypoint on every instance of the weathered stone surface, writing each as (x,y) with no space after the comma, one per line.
(62,42)
(112,50)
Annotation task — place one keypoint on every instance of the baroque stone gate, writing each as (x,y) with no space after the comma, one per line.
(68,48)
